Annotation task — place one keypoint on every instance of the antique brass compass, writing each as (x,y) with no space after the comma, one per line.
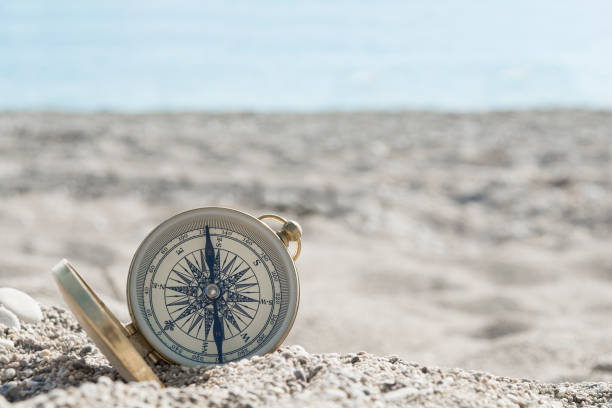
(207,286)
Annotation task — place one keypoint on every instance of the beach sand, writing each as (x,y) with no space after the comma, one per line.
(52,364)
(479,241)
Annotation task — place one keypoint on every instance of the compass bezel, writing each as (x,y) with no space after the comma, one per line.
(249,226)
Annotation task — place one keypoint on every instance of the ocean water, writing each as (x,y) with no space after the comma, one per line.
(304,55)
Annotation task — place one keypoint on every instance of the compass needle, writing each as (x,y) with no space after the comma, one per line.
(209,250)
(211,260)
(202,262)
(208,320)
(218,264)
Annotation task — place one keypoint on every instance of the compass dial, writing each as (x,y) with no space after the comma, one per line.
(212,286)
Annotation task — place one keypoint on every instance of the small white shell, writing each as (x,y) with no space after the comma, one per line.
(8,319)
(21,304)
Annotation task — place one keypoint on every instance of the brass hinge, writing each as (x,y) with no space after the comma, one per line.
(139,342)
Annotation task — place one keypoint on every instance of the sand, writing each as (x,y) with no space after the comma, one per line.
(479,241)
(52,364)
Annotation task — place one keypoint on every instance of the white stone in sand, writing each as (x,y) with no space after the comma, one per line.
(21,304)
(8,319)
(6,343)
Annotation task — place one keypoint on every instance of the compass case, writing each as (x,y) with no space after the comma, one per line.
(101,325)
(155,309)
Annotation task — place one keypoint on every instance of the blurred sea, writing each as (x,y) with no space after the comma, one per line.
(304,55)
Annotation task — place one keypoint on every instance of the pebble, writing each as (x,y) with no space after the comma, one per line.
(400,393)
(9,374)
(8,319)
(299,375)
(562,392)
(6,344)
(580,397)
(21,304)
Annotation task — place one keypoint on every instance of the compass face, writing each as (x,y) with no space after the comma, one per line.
(211,286)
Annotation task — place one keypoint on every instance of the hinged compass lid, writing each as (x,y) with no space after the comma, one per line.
(101,325)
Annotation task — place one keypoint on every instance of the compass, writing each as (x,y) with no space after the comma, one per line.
(208,286)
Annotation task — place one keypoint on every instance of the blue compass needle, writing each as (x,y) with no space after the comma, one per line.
(217,324)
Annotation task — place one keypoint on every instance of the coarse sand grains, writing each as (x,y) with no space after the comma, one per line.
(53,363)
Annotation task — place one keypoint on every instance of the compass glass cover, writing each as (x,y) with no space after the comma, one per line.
(212,285)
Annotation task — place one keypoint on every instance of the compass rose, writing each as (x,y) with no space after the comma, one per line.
(212,288)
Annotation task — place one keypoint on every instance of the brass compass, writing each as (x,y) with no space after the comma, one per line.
(207,286)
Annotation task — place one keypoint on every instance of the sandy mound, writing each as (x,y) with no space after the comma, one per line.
(53,363)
